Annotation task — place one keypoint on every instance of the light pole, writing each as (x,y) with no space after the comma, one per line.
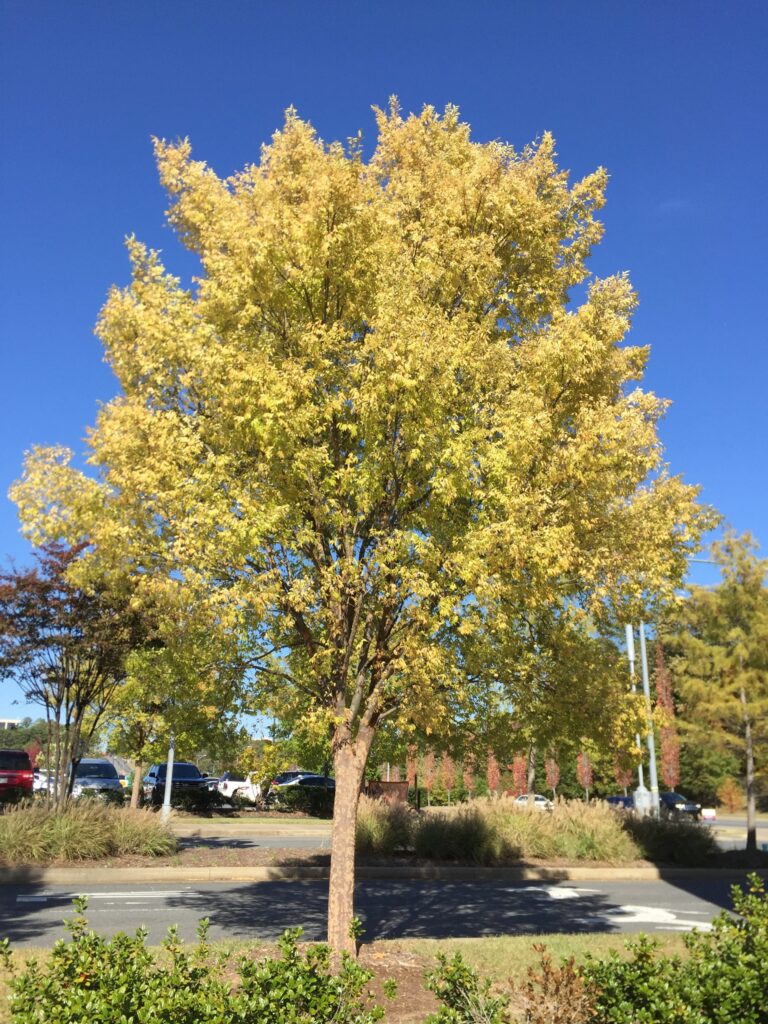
(651,738)
(165,810)
(631,656)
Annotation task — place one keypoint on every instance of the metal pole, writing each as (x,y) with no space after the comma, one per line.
(165,810)
(651,739)
(630,635)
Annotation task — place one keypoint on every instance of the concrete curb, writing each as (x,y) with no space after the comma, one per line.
(403,872)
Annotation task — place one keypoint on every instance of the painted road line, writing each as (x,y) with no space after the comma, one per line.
(143,894)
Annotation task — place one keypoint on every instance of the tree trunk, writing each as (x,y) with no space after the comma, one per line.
(531,775)
(349,759)
(750,779)
(136,786)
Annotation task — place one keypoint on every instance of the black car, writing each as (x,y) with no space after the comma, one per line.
(188,784)
(624,803)
(674,804)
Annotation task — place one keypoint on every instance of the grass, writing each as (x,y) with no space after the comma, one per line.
(38,834)
(499,831)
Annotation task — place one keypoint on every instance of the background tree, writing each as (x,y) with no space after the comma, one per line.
(468,769)
(584,772)
(378,424)
(624,773)
(429,773)
(669,744)
(67,647)
(448,774)
(519,775)
(719,658)
(552,775)
(493,773)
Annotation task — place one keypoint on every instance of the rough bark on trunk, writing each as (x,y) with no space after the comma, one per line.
(750,773)
(349,761)
(136,786)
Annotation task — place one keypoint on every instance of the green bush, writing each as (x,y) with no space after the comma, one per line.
(672,840)
(87,830)
(316,802)
(724,979)
(383,828)
(92,980)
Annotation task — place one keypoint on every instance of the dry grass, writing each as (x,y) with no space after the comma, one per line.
(84,831)
(500,831)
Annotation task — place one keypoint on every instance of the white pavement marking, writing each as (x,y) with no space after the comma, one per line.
(563,892)
(144,894)
(666,920)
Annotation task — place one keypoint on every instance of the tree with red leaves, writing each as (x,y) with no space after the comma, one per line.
(411,767)
(447,774)
(519,774)
(623,773)
(665,705)
(493,773)
(584,772)
(66,647)
(552,774)
(429,773)
(469,767)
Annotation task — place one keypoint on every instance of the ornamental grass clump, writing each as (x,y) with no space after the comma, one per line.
(384,828)
(82,831)
(468,834)
(672,840)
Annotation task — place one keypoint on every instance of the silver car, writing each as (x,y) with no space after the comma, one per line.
(95,776)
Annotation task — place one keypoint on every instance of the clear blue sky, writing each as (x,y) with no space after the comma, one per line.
(670,97)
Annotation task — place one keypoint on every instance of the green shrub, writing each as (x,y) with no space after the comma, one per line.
(92,980)
(672,840)
(317,802)
(724,979)
(86,830)
(384,828)
(465,999)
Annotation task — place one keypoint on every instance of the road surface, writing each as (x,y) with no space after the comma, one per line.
(388,909)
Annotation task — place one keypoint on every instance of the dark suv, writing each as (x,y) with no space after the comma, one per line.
(188,786)
(15,775)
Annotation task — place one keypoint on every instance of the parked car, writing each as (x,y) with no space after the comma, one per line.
(623,803)
(188,784)
(95,776)
(246,789)
(673,804)
(303,779)
(16,778)
(540,803)
(42,780)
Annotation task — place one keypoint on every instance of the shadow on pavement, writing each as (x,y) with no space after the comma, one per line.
(406,910)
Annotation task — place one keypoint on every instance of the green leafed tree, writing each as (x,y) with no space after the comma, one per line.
(376,425)
(720,662)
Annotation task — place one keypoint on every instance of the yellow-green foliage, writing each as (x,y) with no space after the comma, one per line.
(83,831)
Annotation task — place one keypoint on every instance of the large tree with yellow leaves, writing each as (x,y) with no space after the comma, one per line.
(376,427)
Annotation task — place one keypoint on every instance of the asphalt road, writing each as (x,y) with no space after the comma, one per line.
(388,909)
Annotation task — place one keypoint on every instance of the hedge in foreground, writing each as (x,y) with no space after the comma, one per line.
(86,830)
(92,980)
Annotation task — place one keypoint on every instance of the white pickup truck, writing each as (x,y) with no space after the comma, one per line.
(240,789)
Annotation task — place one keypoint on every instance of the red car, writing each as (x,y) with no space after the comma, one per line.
(15,775)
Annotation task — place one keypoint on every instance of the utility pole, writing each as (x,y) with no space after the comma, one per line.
(651,739)
(630,635)
(165,810)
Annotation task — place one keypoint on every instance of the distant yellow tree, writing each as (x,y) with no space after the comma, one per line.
(376,426)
